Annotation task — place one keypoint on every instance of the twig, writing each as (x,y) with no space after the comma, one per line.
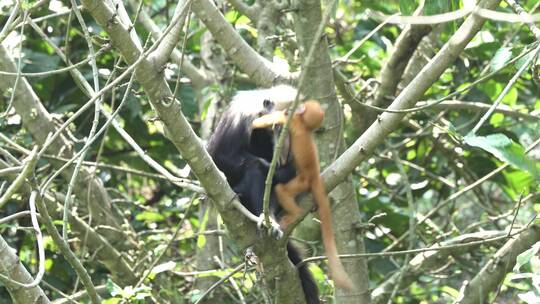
(516,213)
(167,246)
(19,69)
(521,12)
(66,251)
(412,222)
(61,70)
(456,15)
(12,16)
(29,166)
(41,248)
(14,216)
(95,122)
(426,105)
(216,284)
(418,250)
(506,89)
(12,170)
(466,189)
(346,57)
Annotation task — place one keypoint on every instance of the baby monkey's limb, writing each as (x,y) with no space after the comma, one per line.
(308,117)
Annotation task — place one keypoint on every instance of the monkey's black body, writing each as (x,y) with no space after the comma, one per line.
(244,155)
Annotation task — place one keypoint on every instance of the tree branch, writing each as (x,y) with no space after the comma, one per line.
(11,267)
(388,122)
(180,131)
(262,71)
(168,44)
(113,260)
(429,260)
(492,274)
(39,123)
(251,11)
(197,76)
(319,84)
(481,107)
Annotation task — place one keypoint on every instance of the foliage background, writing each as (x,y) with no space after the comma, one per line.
(425,161)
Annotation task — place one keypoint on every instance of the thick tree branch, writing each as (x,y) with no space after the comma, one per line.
(269,15)
(168,44)
(11,267)
(197,76)
(319,84)
(392,72)
(492,274)
(180,131)
(260,70)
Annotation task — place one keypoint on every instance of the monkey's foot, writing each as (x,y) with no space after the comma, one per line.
(273,230)
(250,257)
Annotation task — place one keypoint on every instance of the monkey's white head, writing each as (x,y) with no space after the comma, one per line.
(254,102)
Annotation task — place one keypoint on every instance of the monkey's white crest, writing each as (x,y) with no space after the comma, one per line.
(252,102)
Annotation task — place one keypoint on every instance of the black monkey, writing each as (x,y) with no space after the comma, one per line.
(244,155)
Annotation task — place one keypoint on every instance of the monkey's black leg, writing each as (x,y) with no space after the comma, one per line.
(284,173)
(251,192)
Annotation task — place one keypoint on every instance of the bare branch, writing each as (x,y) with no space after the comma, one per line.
(12,268)
(521,12)
(430,260)
(66,251)
(27,170)
(480,107)
(168,44)
(105,252)
(262,71)
(492,274)
(197,76)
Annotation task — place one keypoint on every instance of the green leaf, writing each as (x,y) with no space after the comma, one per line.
(149,216)
(112,287)
(201,239)
(511,97)
(407,7)
(523,60)
(194,295)
(501,58)
(504,149)
(496,119)
(526,256)
(451,291)
(434,7)
(517,182)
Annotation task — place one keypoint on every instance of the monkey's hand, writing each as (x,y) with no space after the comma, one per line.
(270,120)
(273,229)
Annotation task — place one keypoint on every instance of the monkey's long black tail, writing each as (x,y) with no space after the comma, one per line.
(308,283)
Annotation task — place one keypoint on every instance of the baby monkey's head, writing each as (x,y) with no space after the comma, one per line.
(312,114)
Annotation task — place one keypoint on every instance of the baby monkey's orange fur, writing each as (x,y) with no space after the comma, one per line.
(305,120)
